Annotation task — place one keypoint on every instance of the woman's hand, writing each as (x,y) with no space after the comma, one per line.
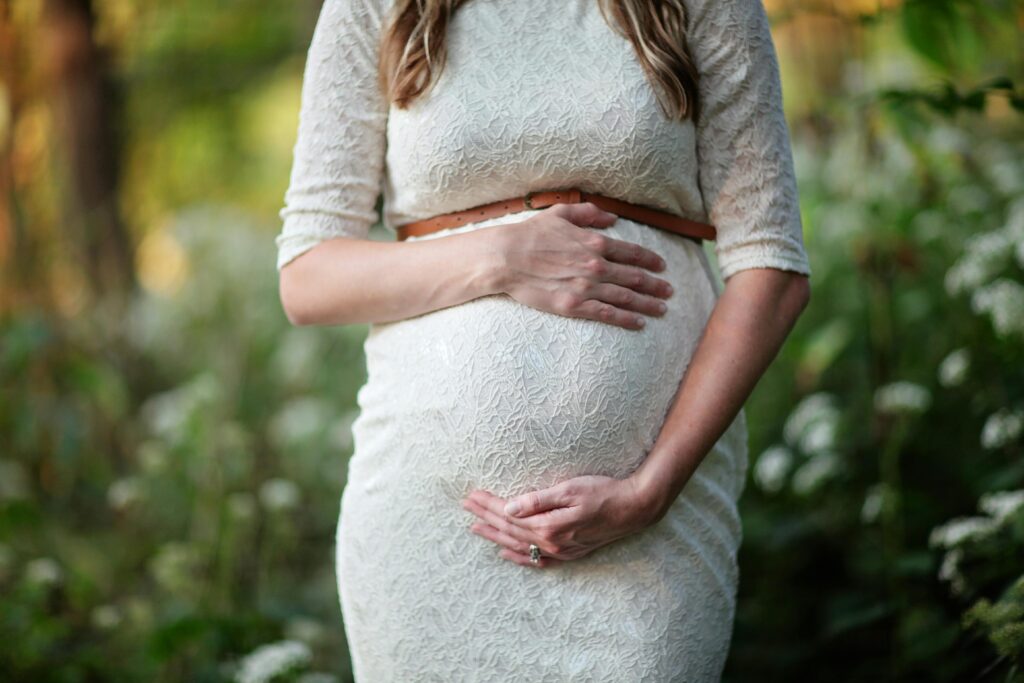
(566,521)
(551,263)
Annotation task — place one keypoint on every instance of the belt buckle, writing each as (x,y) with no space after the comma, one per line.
(527,198)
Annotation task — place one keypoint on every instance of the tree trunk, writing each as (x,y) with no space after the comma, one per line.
(85,105)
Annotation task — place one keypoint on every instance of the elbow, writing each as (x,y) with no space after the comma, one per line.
(295,314)
(296,317)
(800,293)
(294,304)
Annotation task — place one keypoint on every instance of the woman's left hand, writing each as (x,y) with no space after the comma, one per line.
(566,521)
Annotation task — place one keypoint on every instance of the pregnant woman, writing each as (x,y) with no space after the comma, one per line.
(551,443)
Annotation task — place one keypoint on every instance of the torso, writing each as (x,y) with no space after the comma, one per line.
(534,99)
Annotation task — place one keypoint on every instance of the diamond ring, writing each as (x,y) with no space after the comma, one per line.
(534,554)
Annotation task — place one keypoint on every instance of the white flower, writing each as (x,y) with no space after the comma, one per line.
(1002,504)
(269,661)
(949,563)
(124,493)
(949,570)
(953,368)
(902,397)
(984,256)
(44,571)
(961,529)
(1002,427)
(304,629)
(874,501)
(174,566)
(1007,177)
(106,617)
(168,413)
(772,468)
(280,494)
(812,425)
(316,677)
(810,476)
(820,436)
(1003,301)
(299,420)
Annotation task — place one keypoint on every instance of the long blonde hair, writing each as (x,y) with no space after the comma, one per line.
(413,48)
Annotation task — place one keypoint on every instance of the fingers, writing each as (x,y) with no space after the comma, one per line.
(628,299)
(637,280)
(629,253)
(499,522)
(588,214)
(535,501)
(507,531)
(549,507)
(583,214)
(625,292)
(500,537)
(512,548)
(524,560)
(600,311)
(613,282)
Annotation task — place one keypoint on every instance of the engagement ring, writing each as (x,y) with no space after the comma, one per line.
(534,554)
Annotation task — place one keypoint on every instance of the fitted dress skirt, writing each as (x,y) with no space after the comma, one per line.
(496,395)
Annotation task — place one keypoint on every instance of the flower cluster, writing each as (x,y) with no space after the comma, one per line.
(808,457)
(962,536)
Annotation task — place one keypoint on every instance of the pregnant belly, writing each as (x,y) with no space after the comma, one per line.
(493,393)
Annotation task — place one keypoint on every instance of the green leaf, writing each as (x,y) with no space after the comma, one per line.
(928,26)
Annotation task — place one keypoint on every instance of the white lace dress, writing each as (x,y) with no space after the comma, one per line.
(496,395)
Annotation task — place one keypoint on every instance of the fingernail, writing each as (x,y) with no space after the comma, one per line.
(662,307)
(512,508)
(640,321)
(669,289)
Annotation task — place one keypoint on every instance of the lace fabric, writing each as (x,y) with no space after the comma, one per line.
(537,96)
(494,394)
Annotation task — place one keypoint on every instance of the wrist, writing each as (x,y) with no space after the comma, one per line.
(654,492)
(491,273)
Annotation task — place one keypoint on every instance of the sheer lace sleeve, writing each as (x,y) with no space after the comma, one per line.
(745,160)
(339,151)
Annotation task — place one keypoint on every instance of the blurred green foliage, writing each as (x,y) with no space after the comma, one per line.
(171,457)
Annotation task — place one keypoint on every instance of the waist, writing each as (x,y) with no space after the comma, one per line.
(535,201)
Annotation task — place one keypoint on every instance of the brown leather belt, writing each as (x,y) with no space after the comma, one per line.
(539,200)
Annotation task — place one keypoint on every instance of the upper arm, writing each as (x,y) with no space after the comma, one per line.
(746,171)
(339,151)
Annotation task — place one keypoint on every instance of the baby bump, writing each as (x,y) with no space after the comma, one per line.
(493,393)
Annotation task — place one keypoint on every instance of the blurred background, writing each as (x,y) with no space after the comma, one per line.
(172,451)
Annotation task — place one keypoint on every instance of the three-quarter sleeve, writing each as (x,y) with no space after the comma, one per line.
(745,162)
(336,174)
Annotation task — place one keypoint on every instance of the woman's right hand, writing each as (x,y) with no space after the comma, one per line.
(551,263)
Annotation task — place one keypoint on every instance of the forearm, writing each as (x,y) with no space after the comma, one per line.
(745,331)
(345,281)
